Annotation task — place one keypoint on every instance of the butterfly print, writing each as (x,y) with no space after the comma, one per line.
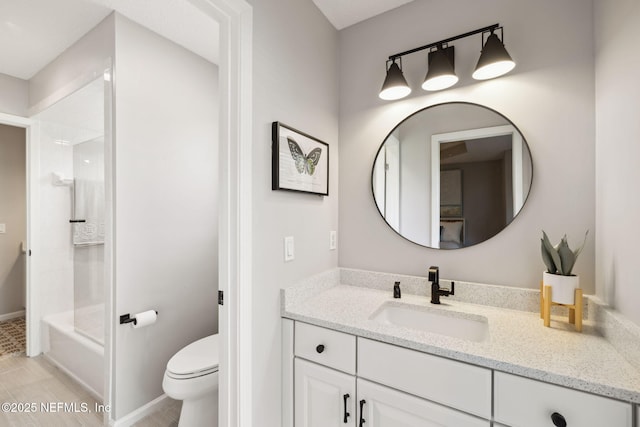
(304,163)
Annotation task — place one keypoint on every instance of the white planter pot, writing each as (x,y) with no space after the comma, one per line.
(563,288)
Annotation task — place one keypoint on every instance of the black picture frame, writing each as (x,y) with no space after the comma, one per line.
(299,162)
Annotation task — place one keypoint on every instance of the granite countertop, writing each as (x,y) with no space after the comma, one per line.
(518,342)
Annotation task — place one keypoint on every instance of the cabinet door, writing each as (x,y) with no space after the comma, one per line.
(385,407)
(323,397)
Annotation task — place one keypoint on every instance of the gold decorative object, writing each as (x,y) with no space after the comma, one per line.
(575,309)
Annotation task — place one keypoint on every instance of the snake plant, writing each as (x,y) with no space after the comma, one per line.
(560,259)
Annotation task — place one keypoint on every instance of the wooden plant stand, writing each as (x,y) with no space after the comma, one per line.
(575,309)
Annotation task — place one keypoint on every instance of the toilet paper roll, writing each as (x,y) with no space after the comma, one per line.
(145,318)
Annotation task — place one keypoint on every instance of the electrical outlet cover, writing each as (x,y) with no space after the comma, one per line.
(333,240)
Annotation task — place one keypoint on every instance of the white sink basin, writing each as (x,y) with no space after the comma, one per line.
(437,321)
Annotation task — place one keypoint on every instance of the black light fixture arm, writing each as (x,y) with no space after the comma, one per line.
(441,42)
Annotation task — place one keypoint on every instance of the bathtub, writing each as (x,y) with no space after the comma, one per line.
(78,356)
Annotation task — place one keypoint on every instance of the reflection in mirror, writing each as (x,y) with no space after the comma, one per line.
(452,175)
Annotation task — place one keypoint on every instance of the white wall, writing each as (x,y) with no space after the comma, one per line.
(13,213)
(295,81)
(549,96)
(617,153)
(166,180)
(15,95)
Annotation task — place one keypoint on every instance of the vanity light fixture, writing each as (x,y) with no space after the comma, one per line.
(494,61)
(441,73)
(395,85)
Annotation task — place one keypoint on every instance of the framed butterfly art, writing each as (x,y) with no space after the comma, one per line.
(300,162)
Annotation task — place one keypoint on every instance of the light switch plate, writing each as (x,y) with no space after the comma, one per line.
(3,228)
(333,240)
(289,249)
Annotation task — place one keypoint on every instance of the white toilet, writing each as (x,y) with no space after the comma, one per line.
(192,376)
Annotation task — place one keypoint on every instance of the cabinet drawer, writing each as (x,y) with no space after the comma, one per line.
(523,402)
(441,380)
(330,348)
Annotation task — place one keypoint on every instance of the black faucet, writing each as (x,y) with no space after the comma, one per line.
(396,290)
(436,292)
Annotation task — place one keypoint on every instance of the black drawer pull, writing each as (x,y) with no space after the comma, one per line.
(558,420)
(320,348)
(362,420)
(346,414)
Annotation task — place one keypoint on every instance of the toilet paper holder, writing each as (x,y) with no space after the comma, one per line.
(126,318)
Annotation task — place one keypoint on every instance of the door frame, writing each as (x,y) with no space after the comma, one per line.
(465,135)
(235,18)
(33,203)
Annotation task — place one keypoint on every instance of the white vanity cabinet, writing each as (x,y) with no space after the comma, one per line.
(324,377)
(523,402)
(324,397)
(328,391)
(333,379)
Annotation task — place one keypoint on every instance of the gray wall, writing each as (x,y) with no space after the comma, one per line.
(549,96)
(15,95)
(166,213)
(483,206)
(13,213)
(618,151)
(295,81)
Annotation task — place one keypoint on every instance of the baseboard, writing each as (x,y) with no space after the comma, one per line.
(138,414)
(13,315)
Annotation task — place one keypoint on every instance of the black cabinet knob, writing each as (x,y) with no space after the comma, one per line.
(558,420)
(320,348)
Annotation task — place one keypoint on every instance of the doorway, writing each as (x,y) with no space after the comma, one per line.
(13,236)
(235,20)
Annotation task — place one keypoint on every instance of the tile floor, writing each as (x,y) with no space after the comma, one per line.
(46,389)
(12,337)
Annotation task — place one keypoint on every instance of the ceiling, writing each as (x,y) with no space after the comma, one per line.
(481,150)
(34,32)
(344,13)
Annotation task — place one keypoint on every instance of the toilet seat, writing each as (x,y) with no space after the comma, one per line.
(195,360)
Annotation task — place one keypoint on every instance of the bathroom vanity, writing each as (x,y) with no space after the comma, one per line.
(353,357)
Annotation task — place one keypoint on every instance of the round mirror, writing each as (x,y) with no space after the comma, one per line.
(452,175)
